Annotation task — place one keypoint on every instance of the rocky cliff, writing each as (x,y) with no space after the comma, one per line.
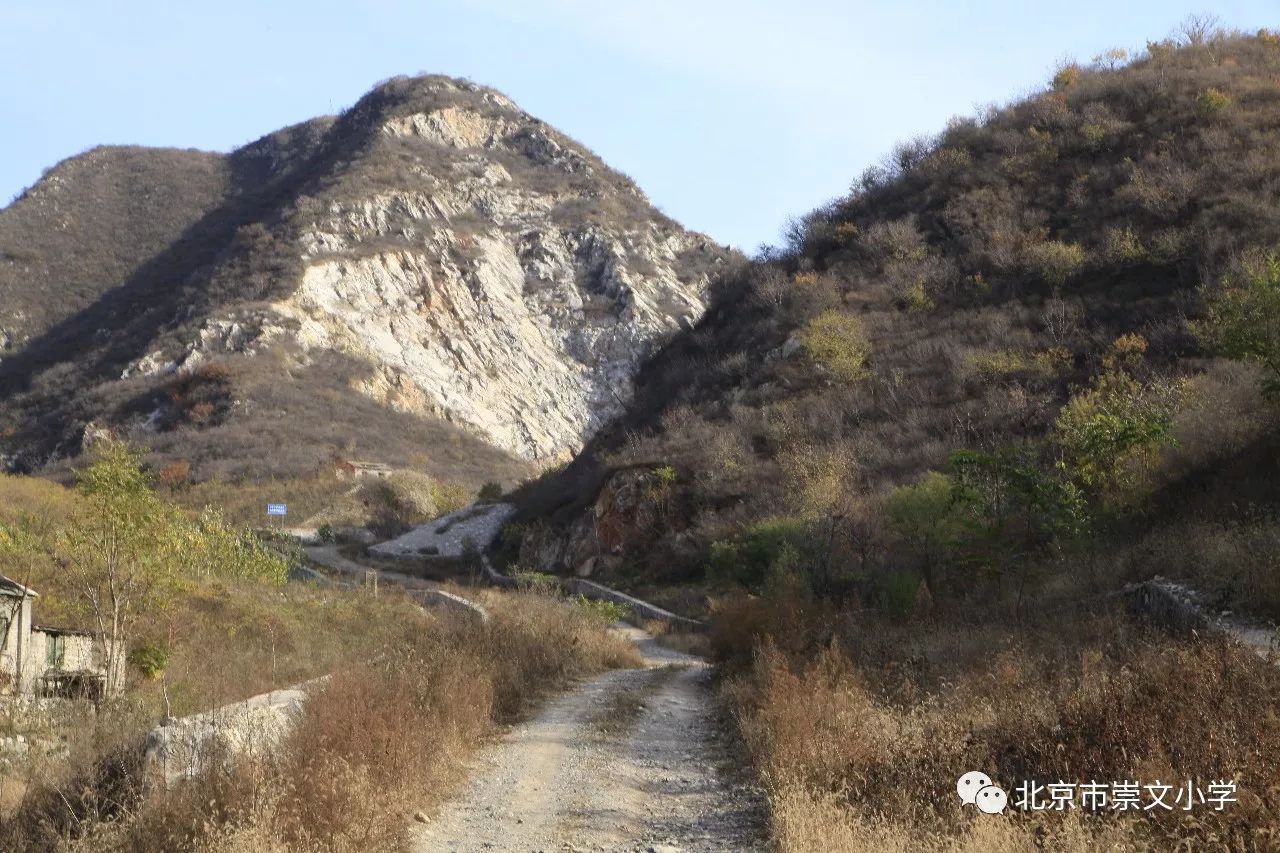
(464,261)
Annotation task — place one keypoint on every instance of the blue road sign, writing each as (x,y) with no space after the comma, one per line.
(277,509)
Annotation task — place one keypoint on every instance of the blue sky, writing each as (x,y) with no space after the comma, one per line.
(731,114)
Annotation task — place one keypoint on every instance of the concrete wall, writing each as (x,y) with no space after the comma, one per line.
(80,652)
(641,609)
(441,598)
(182,748)
(1171,605)
(17,659)
(25,656)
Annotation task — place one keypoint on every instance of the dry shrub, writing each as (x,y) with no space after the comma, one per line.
(791,620)
(541,644)
(399,501)
(1055,261)
(414,494)
(838,342)
(863,748)
(1223,412)
(450,495)
(804,722)
(1237,559)
(99,780)
(818,478)
(378,741)
(689,642)
(377,737)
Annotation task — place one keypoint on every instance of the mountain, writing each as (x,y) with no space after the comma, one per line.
(434,277)
(1011,309)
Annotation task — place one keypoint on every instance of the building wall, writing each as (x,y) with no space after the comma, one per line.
(15,659)
(13,651)
(24,658)
(79,652)
(9,655)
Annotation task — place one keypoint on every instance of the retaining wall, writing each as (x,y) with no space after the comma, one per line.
(642,609)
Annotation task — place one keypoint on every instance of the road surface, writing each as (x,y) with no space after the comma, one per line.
(631,760)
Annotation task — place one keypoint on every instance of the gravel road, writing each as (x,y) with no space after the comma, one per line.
(628,761)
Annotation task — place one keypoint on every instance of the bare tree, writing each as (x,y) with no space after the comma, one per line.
(1061,321)
(1199,30)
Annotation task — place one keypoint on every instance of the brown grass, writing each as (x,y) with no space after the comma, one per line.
(859,742)
(382,739)
(695,643)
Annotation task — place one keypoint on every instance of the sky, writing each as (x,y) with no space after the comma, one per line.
(733,115)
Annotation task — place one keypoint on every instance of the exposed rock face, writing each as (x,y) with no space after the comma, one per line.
(460,259)
(533,343)
(480,297)
(628,505)
(472,528)
(486,310)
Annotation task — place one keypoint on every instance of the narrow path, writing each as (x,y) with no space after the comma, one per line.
(331,558)
(629,761)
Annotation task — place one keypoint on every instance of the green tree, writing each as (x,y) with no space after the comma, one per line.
(1011,509)
(771,546)
(213,548)
(123,553)
(1109,430)
(838,342)
(926,518)
(820,482)
(1243,318)
(131,551)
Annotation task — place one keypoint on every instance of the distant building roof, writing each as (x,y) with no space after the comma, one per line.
(9,586)
(75,632)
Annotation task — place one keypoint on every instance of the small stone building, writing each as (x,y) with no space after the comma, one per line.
(352,468)
(43,661)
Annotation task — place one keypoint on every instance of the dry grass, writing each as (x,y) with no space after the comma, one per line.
(687,642)
(859,741)
(383,738)
(805,820)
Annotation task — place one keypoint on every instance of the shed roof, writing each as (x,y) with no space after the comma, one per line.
(74,632)
(13,589)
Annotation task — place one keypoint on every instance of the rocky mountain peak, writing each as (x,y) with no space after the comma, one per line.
(483,268)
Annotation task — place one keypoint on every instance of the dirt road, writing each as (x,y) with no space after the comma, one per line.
(629,761)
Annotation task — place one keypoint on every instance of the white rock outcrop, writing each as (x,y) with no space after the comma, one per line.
(472,528)
(509,284)
(182,748)
(533,345)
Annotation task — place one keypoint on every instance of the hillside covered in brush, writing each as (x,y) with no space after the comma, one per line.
(1046,327)
(434,278)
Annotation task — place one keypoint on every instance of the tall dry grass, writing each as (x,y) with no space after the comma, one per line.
(859,741)
(380,740)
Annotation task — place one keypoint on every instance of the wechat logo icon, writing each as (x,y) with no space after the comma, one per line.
(976,789)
